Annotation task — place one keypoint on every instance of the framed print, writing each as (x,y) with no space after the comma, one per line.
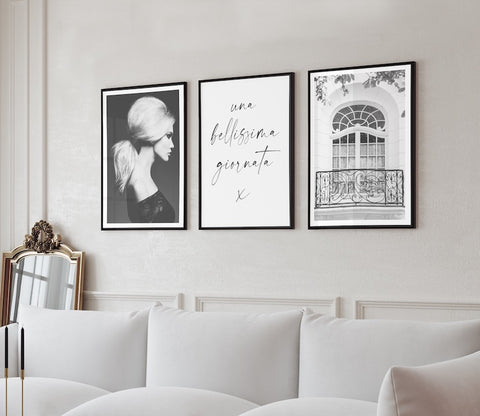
(143,157)
(361,147)
(246,152)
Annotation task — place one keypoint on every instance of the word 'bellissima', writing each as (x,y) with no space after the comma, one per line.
(240,136)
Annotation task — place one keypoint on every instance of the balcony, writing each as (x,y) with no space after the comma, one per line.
(359,188)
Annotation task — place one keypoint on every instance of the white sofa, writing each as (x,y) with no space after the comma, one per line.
(164,361)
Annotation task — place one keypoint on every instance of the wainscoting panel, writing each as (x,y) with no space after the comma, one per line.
(252,304)
(425,311)
(113,301)
(22,118)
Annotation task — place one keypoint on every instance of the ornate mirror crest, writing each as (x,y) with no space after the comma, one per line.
(43,272)
(42,239)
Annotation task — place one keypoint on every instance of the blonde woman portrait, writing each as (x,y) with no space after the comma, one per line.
(143,157)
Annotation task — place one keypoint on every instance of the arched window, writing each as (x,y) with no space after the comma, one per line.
(358,138)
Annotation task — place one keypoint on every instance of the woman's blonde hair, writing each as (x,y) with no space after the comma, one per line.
(146,118)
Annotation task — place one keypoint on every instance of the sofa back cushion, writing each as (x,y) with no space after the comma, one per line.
(349,358)
(252,356)
(103,349)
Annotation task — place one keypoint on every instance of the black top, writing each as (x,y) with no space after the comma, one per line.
(153,209)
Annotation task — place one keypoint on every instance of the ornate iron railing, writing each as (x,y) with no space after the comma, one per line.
(359,187)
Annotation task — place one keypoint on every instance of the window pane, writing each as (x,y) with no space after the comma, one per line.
(351,138)
(351,163)
(372,139)
(358,114)
(335,150)
(351,150)
(335,163)
(343,139)
(363,162)
(343,150)
(381,162)
(371,161)
(36,293)
(363,137)
(26,289)
(380,149)
(371,149)
(29,263)
(343,163)
(363,149)
(335,141)
(380,140)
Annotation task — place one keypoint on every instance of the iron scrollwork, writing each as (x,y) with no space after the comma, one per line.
(359,187)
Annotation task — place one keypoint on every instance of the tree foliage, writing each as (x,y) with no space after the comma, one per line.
(395,78)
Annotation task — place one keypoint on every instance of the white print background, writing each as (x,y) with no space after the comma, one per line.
(266,191)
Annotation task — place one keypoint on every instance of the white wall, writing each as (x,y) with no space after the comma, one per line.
(94,44)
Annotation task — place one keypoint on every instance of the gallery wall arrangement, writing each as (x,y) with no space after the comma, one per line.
(361,148)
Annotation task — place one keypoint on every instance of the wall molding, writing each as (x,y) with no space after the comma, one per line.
(23,121)
(329,306)
(363,307)
(121,300)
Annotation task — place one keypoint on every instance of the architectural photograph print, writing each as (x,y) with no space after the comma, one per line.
(361,147)
(143,157)
(246,152)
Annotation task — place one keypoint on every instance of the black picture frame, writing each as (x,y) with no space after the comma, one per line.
(361,146)
(246,152)
(158,108)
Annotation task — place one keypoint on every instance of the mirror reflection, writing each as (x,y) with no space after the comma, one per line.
(45,281)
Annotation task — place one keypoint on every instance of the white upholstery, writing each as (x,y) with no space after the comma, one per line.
(104,349)
(442,389)
(225,364)
(252,356)
(12,350)
(349,358)
(316,406)
(168,401)
(45,397)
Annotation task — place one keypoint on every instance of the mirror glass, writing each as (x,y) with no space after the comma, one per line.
(42,280)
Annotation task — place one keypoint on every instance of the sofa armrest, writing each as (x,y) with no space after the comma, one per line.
(442,389)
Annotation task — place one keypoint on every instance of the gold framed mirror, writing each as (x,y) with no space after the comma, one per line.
(41,272)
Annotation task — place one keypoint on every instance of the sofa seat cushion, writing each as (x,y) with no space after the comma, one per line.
(316,406)
(442,389)
(249,355)
(103,349)
(171,401)
(46,396)
(349,358)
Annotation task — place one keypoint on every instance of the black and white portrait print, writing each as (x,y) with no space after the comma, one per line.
(143,157)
